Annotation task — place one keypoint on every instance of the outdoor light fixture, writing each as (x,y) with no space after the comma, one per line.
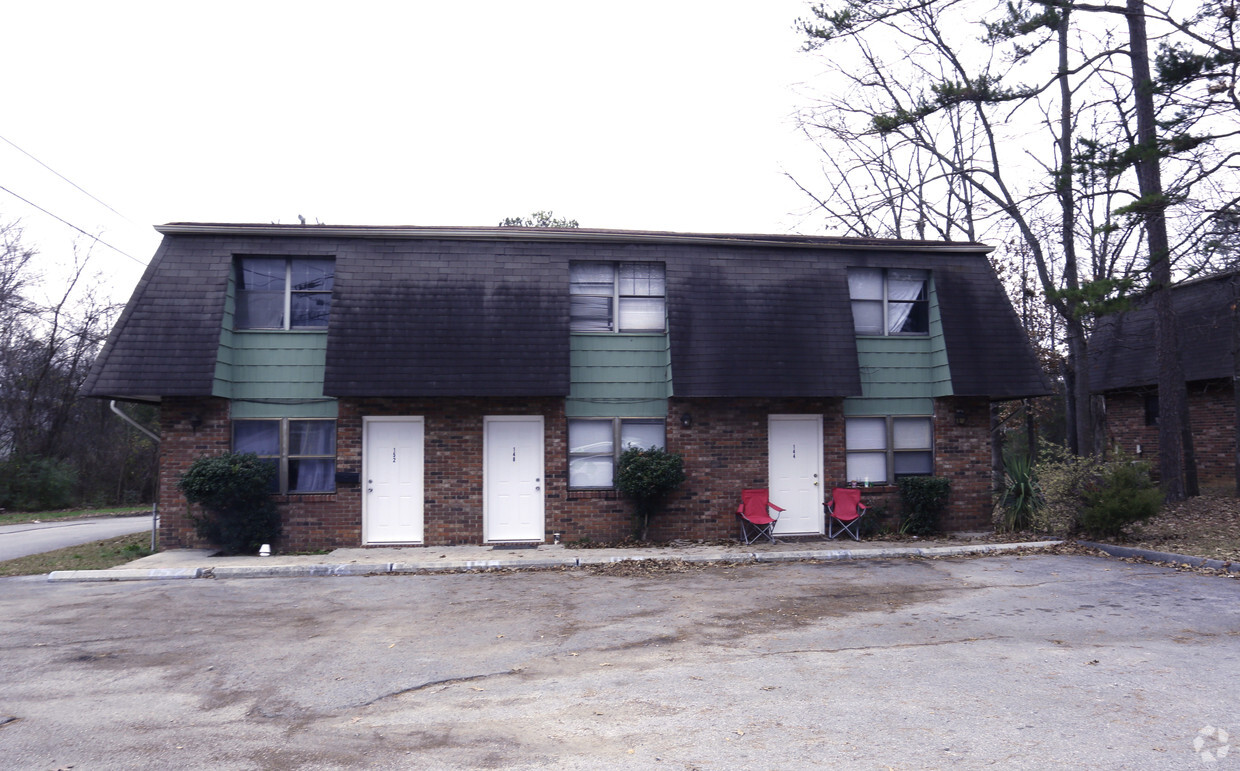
(195,422)
(960,417)
(686,420)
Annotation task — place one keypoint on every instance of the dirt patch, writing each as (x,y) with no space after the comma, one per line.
(647,567)
(1205,526)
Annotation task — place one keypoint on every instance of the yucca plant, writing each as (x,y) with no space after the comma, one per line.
(1021,497)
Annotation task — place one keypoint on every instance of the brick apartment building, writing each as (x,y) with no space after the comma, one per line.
(437,386)
(1123,368)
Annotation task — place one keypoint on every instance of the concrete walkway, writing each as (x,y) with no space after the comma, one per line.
(199,563)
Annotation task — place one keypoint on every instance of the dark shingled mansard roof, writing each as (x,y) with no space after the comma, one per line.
(1121,351)
(485,311)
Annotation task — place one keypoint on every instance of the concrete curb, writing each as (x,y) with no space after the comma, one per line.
(449,566)
(398,568)
(297,571)
(124,574)
(1160,556)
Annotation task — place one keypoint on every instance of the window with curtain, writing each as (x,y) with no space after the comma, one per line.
(889,301)
(595,444)
(617,297)
(303,451)
(880,449)
(283,292)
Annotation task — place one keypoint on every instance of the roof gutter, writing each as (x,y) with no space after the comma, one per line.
(576,235)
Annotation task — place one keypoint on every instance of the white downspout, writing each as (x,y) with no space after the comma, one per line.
(155,439)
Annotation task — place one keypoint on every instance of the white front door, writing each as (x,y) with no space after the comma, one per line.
(513,478)
(392,469)
(795,472)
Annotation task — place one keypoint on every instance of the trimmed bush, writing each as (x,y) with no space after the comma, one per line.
(647,476)
(925,500)
(235,492)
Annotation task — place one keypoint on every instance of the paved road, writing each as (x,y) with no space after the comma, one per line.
(1012,662)
(38,537)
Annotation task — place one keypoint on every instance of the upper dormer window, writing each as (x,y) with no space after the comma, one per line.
(617,297)
(889,301)
(284,292)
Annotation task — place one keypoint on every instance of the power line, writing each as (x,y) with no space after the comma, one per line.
(66,179)
(75,227)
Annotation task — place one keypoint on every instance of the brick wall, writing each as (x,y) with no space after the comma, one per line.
(1212,413)
(962,454)
(452,471)
(725,450)
(189,428)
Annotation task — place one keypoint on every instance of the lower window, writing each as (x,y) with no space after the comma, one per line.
(881,449)
(595,444)
(303,451)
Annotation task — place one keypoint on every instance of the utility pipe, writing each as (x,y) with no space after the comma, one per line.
(154,438)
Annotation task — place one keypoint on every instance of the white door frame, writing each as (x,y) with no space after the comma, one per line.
(541,514)
(818,513)
(367,421)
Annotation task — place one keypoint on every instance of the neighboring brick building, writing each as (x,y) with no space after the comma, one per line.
(476,385)
(1123,369)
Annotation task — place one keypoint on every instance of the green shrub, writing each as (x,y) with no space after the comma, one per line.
(235,492)
(1021,498)
(1121,495)
(31,483)
(873,523)
(925,500)
(647,476)
(1062,480)
(1092,494)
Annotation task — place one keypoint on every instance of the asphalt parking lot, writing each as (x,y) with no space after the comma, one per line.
(1014,662)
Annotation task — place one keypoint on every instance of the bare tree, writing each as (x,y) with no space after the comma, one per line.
(54,447)
(1096,194)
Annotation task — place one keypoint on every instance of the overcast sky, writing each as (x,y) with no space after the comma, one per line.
(670,115)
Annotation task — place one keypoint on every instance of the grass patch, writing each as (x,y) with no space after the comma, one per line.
(22,517)
(98,555)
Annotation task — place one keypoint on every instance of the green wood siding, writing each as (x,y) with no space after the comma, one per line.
(619,376)
(902,375)
(271,374)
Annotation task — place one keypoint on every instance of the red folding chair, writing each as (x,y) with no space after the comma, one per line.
(758,515)
(846,509)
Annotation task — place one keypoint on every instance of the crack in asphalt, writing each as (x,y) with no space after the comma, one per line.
(432,684)
(926,644)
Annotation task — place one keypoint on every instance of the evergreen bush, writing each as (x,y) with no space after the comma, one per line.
(925,500)
(1098,496)
(1122,495)
(235,492)
(647,476)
